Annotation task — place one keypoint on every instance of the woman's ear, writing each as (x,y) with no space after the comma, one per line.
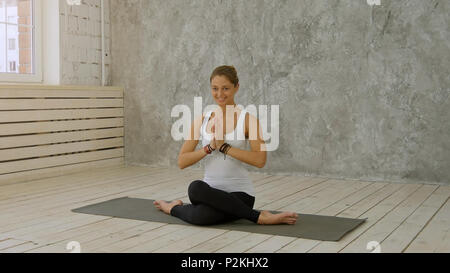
(236,88)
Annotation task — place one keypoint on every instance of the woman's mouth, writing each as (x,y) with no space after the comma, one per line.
(221,100)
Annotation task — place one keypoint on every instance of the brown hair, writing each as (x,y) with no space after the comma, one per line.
(227,71)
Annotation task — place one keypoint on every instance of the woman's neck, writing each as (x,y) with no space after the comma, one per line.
(224,108)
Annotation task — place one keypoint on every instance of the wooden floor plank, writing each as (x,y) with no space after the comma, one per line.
(244,244)
(273,244)
(218,242)
(389,222)
(85,238)
(435,237)
(5,244)
(301,245)
(379,205)
(114,242)
(398,240)
(193,240)
(153,243)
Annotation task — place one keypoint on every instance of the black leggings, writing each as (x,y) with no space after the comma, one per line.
(213,206)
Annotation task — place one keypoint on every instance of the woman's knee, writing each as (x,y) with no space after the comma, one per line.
(196,189)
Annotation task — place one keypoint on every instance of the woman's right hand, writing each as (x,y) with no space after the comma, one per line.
(213,141)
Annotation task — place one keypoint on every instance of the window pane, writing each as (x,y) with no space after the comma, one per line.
(2,48)
(2,11)
(20,59)
(16,37)
(20,12)
(11,11)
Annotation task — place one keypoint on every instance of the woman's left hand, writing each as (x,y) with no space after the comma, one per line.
(219,139)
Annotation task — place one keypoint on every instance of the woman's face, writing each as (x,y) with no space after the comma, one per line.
(223,90)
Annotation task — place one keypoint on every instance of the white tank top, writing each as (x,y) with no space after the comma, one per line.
(228,175)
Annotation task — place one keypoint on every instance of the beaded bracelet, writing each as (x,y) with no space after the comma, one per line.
(224,149)
(208,149)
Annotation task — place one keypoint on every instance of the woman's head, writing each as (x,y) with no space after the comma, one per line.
(224,84)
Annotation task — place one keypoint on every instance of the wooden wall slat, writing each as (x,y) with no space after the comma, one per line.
(57,149)
(38,163)
(29,93)
(57,126)
(40,115)
(39,104)
(58,87)
(41,139)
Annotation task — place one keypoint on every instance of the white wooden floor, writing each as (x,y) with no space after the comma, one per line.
(35,216)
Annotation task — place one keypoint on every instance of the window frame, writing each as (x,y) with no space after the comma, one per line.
(37,52)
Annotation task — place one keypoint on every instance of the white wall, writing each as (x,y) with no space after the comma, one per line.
(51,52)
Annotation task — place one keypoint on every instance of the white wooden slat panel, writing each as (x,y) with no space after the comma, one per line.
(57,126)
(61,120)
(59,87)
(41,139)
(38,104)
(42,115)
(33,93)
(38,163)
(56,149)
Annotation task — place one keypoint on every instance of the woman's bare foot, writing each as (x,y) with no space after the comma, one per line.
(268,218)
(166,207)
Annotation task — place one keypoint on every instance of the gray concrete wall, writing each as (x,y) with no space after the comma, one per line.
(363,91)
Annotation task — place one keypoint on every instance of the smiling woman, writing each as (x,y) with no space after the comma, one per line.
(224,84)
(226,192)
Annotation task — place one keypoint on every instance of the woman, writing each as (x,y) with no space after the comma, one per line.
(226,192)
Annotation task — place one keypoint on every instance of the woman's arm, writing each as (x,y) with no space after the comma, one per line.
(188,156)
(257,156)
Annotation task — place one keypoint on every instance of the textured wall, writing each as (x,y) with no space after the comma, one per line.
(363,91)
(81,44)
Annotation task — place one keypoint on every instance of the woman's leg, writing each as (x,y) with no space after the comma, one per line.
(200,214)
(218,205)
(212,206)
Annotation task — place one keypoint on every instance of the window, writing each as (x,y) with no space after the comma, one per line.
(12,44)
(12,66)
(20,41)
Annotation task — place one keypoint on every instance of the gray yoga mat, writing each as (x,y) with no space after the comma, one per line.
(316,227)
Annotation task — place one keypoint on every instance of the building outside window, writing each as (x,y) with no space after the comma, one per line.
(12,66)
(12,44)
(20,41)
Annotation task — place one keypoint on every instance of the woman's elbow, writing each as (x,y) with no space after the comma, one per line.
(180,164)
(261,164)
